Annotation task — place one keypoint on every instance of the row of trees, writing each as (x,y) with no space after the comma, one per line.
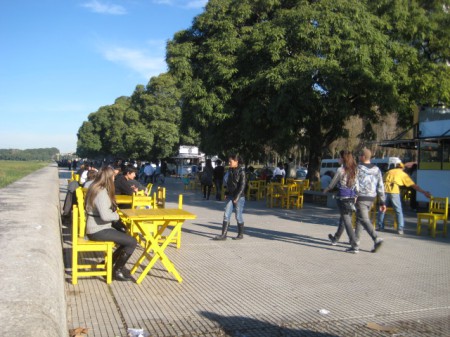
(253,75)
(44,154)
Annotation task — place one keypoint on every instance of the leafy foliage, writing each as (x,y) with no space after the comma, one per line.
(44,154)
(145,125)
(276,73)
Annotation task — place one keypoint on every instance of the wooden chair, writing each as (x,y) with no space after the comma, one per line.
(437,211)
(80,244)
(160,198)
(262,189)
(274,194)
(80,194)
(294,196)
(253,190)
(142,201)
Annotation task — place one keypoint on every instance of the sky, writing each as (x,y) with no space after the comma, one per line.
(61,60)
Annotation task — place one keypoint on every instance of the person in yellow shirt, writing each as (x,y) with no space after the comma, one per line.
(394,179)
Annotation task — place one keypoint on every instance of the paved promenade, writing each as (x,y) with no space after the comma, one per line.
(274,282)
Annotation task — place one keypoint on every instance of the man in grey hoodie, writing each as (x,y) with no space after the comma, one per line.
(370,185)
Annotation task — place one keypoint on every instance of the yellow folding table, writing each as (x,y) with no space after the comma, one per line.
(152,223)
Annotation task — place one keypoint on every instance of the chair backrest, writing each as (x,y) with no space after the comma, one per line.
(161,197)
(81,211)
(439,206)
(289,181)
(148,189)
(75,223)
(142,201)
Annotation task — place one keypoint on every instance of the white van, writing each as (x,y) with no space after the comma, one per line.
(385,164)
(329,165)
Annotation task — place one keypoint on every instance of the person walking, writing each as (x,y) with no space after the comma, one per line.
(207,179)
(370,182)
(236,184)
(346,181)
(219,172)
(395,179)
(101,210)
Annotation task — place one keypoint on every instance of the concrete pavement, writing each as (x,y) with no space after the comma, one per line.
(272,283)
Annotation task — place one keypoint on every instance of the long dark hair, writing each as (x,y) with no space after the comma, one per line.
(350,166)
(103,180)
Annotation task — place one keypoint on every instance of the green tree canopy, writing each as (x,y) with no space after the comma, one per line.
(145,125)
(273,72)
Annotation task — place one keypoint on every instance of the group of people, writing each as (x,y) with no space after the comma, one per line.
(358,188)
(102,216)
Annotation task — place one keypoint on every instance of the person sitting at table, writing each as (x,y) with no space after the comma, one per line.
(83,175)
(279,173)
(101,211)
(122,182)
(90,178)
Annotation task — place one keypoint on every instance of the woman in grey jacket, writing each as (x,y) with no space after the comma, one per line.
(101,211)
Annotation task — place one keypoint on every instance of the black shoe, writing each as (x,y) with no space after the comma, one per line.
(239,237)
(220,238)
(332,239)
(377,245)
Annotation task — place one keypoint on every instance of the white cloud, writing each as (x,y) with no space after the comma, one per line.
(190,4)
(102,8)
(136,59)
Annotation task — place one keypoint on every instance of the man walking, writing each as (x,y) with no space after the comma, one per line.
(370,185)
(395,179)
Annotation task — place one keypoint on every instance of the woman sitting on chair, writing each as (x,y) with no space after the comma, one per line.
(101,210)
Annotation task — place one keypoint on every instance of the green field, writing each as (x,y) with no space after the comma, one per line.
(10,170)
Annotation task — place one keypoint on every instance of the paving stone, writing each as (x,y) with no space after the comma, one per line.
(274,282)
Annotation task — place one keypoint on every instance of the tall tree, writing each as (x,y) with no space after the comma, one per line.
(145,125)
(276,72)
(160,116)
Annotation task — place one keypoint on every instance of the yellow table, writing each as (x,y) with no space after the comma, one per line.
(123,199)
(146,220)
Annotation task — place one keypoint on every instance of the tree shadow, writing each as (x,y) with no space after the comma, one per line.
(238,326)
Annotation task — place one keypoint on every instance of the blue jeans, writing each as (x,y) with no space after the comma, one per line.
(394,200)
(238,208)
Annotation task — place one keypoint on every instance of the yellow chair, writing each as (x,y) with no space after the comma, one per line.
(262,189)
(139,201)
(253,190)
(274,194)
(80,244)
(437,211)
(80,194)
(161,197)
(148,189)
(294,196)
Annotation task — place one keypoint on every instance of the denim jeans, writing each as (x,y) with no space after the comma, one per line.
(346,218)
(238,208)
(363,219)
(394,200)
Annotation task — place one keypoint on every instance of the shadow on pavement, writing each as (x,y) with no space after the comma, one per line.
(238,326)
